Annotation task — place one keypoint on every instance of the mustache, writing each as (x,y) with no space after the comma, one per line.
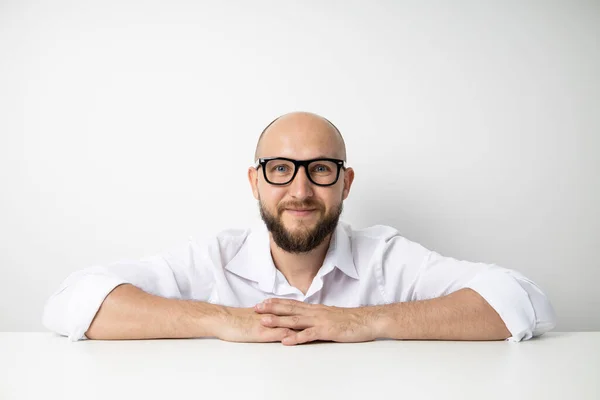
(300,204)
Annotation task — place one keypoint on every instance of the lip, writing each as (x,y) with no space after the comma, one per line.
(300,213)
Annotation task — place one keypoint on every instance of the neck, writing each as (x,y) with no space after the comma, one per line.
(299,268)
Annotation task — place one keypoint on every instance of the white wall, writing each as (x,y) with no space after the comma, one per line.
(126,127)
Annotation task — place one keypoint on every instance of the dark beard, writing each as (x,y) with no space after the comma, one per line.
(305,241)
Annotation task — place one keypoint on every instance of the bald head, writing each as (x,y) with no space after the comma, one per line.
(290,131)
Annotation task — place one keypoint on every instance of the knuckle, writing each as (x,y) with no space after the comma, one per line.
(295,320)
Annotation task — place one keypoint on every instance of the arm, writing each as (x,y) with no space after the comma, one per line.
(462,315)
(162,296)
(71,309)
(130,313)
(413,273)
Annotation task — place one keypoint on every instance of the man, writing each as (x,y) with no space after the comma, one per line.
(302,276)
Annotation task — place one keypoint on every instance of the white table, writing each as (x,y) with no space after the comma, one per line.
(46,366)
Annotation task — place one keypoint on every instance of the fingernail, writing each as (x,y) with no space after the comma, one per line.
(260,306)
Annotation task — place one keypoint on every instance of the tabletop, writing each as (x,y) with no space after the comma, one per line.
(557,365)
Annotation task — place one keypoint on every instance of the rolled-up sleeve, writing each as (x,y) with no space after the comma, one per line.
(416,273)
(70,310)
(524,308)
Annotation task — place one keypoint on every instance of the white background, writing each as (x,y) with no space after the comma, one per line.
(126,127)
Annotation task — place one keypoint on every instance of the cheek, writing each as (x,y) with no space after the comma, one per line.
(330,199)
(270,196)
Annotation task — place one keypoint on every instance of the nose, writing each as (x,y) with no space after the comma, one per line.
(301,186)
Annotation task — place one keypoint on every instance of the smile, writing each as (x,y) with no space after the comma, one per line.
(299,213)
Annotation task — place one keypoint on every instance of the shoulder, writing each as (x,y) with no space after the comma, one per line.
(375,232)
(232,238)
(383,241)
(227,242)
(372,235)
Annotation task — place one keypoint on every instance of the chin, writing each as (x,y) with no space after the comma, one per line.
(300,221)
(294,226)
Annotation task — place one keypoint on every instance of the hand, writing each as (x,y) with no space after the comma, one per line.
(318,322)
(243,325)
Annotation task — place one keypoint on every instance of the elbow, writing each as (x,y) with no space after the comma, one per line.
(546,319)
(542,316)
(53,317)
(57,316)
(70,311)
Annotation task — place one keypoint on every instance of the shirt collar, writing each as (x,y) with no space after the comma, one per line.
(340,250)
(254,262)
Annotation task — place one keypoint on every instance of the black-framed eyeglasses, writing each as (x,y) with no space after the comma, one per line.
(320,171)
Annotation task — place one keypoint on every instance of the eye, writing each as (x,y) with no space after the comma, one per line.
(321,168)
(281,168)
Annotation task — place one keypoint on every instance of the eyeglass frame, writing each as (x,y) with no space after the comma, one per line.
(262,162)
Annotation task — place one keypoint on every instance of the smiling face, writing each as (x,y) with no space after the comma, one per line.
(300,215)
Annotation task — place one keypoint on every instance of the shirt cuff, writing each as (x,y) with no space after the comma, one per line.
(509,299)
(87,298)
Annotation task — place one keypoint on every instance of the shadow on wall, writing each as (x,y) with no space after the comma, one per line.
(422,216)
(378,202)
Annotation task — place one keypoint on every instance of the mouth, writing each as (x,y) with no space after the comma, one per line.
(300,212)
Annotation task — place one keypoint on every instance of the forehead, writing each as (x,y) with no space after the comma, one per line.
(301,139)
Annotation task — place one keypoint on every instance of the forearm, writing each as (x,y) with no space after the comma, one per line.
(462,315)
(130,313)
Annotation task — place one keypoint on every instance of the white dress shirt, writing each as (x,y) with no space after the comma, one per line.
(371,266)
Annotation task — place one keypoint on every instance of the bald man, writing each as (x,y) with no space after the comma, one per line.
(303,275)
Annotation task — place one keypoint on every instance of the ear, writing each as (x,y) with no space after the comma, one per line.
(348,179)
(253,179)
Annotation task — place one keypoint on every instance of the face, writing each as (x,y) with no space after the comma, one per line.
(300,215)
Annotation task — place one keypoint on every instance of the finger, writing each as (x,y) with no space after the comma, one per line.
(293,322)
(305,336)
(281,309)
(278,334)
(276,300)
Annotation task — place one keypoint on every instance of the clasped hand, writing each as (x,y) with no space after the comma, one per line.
(310,322)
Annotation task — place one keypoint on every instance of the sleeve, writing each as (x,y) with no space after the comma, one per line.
(413,272)
(172,273)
